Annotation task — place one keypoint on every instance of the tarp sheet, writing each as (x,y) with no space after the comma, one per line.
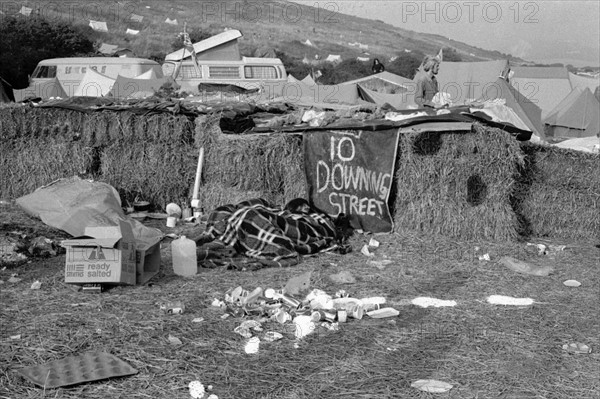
(73,204)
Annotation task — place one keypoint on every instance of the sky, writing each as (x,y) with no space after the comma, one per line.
(540,31)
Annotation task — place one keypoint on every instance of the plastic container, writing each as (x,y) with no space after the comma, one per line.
(185,261)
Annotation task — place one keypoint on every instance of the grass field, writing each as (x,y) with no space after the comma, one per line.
(483,350)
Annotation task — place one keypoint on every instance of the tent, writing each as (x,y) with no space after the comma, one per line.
(135,88)
(584,81)
(94,84)
(44,90)
(544,86)
(526,110)
(301,93)
(400,101)
(466,81)
(584,144)
(6,92)
(309,80)
(578,115)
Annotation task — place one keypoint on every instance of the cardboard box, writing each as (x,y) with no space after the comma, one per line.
(147,261)
(104,255)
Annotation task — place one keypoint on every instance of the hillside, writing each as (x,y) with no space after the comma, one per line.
(281,25)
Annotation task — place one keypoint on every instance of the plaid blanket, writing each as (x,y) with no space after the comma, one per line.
(265,235)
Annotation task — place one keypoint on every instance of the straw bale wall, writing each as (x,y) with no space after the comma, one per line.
(249,165)
(147,156)
(457,184)
(558,193)
(472,185)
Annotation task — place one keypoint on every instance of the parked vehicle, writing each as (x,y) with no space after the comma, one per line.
(70,71)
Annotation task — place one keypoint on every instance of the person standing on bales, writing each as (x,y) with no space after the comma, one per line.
(426,82)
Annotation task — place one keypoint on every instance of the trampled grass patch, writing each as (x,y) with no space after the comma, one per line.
(483,350)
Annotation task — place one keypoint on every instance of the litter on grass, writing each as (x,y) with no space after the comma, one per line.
(572,283)
(426,302)
(197,390)
(432,386)
(252,345)
(36,285)
(509,301)
(577,347)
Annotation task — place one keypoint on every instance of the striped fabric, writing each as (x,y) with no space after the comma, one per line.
(271,236)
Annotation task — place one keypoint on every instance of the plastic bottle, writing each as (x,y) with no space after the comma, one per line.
(183,251)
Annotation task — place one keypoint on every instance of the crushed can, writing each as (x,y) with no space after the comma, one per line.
(176,307)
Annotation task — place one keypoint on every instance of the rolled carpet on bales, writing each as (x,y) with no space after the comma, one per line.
(457,184)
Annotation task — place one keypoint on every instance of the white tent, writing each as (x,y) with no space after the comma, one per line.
(584,144)
(333,58)
(94,84)
(132,31)
(171,21)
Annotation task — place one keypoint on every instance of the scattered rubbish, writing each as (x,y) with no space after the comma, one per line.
(171,222)
(174,340)
(92,288)
(426,302)
(14,279)
(383,313)
(197,390)
(198,320)
(176,307)
(42,247)
(577,347)
(556,248)
(15,337)
(572,283)
(218,303)
(90,366)
(224,316)
(541,248)
(173,210)
(272,336)
(184,256)
(36,285)
(433,386)
(524,267)
(484,257)
(344,277)
(372,303)
(304,326)
(244,328)
(365,251)
(252,345)
(380,264)
(282,316)
(298,284)
(507,300)
(373,243)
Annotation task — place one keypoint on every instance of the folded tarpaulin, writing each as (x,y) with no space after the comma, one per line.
(73,204)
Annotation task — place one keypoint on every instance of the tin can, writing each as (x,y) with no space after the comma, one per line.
(290,301)
(92,288)
(342,316)
(323,315)
(176,307)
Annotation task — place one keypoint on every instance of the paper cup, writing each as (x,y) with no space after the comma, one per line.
(171,221)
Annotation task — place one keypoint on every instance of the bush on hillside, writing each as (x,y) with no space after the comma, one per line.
(406,64)
(27,41)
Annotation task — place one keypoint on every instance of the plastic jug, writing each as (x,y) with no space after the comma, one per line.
(183,252)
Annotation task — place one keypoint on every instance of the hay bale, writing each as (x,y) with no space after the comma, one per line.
(457,184)
(558,193)
(270,165)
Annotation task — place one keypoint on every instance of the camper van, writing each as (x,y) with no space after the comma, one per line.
(247,72)
(70,71)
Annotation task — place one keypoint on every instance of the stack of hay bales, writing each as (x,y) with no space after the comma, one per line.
(240,167)
(148,156)
(38,147)
(457,184)
(558,193)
